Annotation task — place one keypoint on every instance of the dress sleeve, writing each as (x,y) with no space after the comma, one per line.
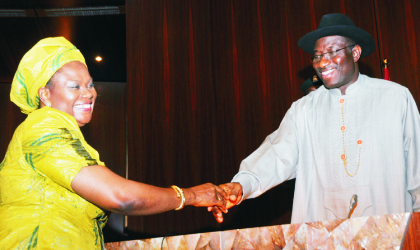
(411,124)
(56,153)
(273,162)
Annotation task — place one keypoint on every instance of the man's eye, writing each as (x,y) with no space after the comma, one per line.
(91,85)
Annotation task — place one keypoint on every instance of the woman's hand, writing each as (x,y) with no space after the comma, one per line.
(206,195)
(234,192)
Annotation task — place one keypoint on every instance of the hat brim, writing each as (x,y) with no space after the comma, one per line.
(359,36)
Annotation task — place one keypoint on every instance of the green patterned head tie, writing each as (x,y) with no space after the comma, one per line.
(36,68)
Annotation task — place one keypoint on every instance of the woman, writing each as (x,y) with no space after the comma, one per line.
(53,186)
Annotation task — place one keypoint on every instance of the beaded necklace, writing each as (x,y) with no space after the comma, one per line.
(359,142)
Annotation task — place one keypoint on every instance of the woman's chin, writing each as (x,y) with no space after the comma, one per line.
(83,122)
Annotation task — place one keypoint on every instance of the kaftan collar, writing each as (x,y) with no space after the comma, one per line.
(352,89)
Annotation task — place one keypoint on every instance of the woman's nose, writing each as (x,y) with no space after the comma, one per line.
(87,93)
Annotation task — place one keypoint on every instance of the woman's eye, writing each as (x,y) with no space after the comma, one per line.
(91,85)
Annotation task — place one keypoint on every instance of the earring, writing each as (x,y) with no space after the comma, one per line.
(48,104)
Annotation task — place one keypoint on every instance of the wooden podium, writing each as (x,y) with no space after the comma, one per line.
(393,231)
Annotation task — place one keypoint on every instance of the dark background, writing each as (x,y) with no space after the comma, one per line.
(187,89)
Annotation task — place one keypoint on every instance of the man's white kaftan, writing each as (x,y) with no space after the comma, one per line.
(308,146)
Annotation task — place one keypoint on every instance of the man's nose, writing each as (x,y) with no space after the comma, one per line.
(324,62)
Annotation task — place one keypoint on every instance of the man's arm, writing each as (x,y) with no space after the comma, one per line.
(412,150)
(271,164)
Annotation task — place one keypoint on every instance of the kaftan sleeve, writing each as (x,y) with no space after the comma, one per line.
(273,162)
(56,153)
(411,123)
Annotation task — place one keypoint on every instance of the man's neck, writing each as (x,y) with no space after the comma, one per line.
(344,87)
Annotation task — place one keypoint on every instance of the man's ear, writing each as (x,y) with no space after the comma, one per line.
(356,52)
(44,94)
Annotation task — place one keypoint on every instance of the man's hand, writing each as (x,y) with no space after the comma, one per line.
(234,191)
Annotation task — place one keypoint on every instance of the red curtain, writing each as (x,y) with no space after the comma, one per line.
(399,36)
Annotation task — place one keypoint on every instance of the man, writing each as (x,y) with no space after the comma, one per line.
(354,135)
(311,84)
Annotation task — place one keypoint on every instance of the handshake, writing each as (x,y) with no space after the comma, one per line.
(217,199)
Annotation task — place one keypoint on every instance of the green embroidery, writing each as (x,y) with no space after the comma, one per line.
(28,159)
(34,150)
(34,239)
(45,138)
(78,147)
(2,164)
(29,101)
(56,63)
(100,223)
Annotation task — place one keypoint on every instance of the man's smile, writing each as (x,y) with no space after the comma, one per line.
(326,72)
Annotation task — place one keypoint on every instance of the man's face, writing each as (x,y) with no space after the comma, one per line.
(341,70)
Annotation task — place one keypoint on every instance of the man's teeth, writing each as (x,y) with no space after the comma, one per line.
(327,72)
(83,106)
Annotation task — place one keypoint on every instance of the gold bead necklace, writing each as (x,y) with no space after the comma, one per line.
(359,142)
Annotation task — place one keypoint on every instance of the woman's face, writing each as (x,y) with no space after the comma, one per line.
(71,90)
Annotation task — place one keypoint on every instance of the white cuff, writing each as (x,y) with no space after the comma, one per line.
(247,181)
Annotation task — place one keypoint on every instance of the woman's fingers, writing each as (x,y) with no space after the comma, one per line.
(207,195)
(218,215)
(234,191)
(217,199)
(221,197)
(221,192)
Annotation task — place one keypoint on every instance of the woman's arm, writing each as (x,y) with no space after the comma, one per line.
(110,191)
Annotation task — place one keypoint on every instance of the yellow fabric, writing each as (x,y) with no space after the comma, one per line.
(36,68)
(38,208)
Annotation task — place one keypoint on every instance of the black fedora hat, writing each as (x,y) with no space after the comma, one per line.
(337,24)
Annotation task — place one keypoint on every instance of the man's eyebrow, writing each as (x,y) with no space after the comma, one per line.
(329,47)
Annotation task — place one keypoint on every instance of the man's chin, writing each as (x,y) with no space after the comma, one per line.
(330,86)
(331,83)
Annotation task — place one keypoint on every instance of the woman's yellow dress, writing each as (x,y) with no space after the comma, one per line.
(38,208)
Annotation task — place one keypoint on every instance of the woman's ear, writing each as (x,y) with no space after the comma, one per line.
(44,95)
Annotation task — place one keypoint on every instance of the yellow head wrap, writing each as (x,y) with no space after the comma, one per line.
(36,68)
